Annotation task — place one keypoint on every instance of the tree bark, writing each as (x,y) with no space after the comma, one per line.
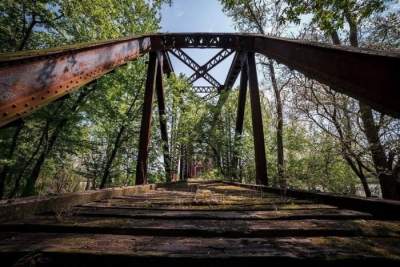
(30,185)
(26,165)
(116,146)
(390,184)
(107,168)
(28,33)
(10,154)
(279,127)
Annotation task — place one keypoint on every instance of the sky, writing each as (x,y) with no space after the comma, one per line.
(197,16)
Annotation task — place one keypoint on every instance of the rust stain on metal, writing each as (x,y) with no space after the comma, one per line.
(35,83)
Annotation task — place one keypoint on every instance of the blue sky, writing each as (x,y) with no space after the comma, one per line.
(197,16)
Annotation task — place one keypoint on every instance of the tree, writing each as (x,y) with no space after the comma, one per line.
(332,17)
(38,142)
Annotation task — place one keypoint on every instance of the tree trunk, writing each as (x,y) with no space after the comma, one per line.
(26,165)
(182,165)
(30,185)
(107,169)
(279,128)
(28,33)
(116,146)
(6,168)
(390,185)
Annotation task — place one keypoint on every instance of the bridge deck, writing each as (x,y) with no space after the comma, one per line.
(199,223)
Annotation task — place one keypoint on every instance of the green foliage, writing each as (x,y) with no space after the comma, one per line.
(316,158)
(331,15)
(85,125)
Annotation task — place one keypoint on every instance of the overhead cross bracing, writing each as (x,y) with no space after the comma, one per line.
(203,71)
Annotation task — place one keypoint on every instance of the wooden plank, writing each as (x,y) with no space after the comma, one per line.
(193,222)
(198,206)
(289,214)
(24,207)
(382,208)
(236,228)
(207,207)
(212,200)
(329,248)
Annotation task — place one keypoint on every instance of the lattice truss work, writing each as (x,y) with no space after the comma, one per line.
(202,71)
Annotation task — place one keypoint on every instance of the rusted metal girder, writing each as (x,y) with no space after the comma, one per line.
(256,117)
(367,75)
(167,64)
(234,69)
(30,81)
(240,118)
(163,117)
(144,137)
(188,61)
(33,79)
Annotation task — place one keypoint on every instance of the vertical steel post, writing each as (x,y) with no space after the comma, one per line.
(163,119)
(144,137)
(239,119)
(258,131)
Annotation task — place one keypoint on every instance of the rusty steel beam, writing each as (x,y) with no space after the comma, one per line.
(240,118)
(234,70)
(30,81)
(163,117)
(367,75)
(256,116)
(167,64)
(144,137)
(209,65)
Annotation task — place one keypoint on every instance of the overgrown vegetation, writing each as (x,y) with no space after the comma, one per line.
(316,138)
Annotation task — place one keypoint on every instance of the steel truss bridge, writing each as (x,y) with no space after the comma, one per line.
(32,79)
